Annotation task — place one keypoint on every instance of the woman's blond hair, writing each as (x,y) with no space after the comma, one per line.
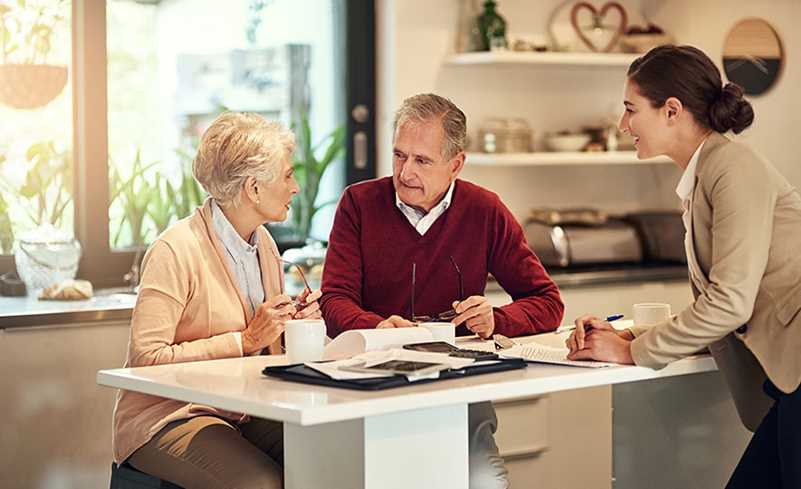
(237,146)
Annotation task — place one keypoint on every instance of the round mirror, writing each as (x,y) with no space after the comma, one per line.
(753,55)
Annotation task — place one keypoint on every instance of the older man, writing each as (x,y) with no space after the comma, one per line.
(420,245)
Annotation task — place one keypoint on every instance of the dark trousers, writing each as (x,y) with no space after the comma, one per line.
(773,457)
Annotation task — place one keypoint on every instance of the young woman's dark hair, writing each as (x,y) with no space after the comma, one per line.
(689,75)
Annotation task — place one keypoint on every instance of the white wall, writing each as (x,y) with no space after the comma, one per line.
(415,37)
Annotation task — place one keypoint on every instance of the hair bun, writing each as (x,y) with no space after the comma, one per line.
(731,111)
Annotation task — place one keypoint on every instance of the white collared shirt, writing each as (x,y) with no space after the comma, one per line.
(687,182)
(422,221)
(242,259)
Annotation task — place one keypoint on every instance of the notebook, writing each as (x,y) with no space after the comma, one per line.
(536,352)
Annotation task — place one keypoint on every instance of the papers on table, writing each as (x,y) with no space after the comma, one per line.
(358,341)
(332,369)
(536,352)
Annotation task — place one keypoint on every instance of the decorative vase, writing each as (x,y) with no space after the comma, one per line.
(30,86)
(492,28)
(45,256)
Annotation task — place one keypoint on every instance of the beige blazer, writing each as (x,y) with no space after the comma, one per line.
(187,310)
(744,254)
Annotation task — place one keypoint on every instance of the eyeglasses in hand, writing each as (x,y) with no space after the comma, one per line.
(299,302)
(445,316)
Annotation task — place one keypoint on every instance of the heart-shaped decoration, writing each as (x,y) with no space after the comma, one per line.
(598,16)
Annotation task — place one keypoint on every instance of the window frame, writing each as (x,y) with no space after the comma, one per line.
(102,265)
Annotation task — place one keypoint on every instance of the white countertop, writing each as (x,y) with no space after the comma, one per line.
(237,384)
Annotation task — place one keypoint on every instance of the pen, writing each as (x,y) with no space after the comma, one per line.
(613,317)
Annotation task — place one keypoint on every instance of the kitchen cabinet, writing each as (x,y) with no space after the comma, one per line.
(541,438)
(56,423)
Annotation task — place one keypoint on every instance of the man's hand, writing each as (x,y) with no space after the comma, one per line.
(605,346)
(476,313)
(395,321)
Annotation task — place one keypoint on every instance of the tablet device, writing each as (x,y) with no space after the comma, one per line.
(398,367)
(432,347)
(452,351)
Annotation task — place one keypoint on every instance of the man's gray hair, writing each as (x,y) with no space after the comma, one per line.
(426,107)
(237,146)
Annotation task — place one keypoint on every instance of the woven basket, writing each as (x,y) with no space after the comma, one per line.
(30,86)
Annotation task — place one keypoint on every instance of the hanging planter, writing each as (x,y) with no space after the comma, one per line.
(30,86)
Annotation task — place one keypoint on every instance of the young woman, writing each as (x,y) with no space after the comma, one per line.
(743,230)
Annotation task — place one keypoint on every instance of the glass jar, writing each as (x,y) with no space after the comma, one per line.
(46,255)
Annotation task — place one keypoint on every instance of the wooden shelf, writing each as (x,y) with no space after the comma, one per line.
(546,58)
(561,158)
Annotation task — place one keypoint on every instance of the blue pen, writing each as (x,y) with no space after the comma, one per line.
(562,329)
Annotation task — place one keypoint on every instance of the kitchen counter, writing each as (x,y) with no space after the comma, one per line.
(594,276)
(109,305)
(16,312)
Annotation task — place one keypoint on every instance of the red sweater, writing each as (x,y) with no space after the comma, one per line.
(368,267)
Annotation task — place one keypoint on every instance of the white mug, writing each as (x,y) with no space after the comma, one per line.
(650,313)
(304,340)
(441,331)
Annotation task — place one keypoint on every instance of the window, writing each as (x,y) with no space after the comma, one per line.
(148,77)
(36,118)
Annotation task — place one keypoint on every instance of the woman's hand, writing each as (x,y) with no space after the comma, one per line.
(586,325)
(267,323)
(605,346)
(309,307)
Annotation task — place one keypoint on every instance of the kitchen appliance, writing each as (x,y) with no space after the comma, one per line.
(587,237)
(661,234)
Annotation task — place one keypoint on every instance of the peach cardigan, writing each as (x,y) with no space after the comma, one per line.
(187,309)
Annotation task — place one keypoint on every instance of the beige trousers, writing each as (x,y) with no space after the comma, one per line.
(207,452)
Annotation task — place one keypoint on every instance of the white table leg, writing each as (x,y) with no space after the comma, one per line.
(409,449)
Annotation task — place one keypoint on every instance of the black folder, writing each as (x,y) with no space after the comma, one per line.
(307,375)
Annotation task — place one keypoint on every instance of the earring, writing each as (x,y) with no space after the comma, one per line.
(258,201)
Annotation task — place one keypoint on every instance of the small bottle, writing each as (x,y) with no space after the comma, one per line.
(492,28)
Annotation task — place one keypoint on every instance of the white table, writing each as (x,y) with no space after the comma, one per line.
(413,436)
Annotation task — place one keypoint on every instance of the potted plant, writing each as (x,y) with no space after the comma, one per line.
(26,35)
(44,254)
(310,163)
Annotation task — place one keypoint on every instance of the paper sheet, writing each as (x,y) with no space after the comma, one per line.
(357,341)
(535,352)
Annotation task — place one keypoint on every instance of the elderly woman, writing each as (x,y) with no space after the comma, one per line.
(212,288)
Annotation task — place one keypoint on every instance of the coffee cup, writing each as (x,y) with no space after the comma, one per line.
(441,331)
(304,340)
(650,313)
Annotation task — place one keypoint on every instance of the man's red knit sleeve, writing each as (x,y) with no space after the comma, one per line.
(342,276)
